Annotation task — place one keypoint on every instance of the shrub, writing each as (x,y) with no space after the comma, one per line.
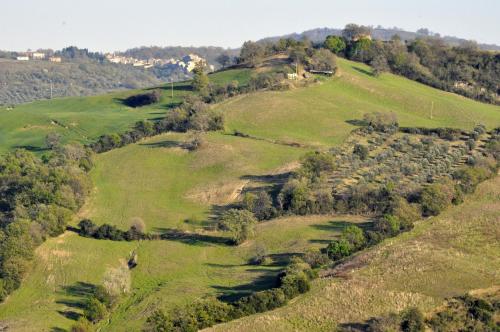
(338,249)
(435,198)
(82,325)
(354,236)
(315,258)
(95,310)
(361,151)
(412,320)
(388,225)
(314,163)
(384,122)
(240,223)
(143,99)
(261,205)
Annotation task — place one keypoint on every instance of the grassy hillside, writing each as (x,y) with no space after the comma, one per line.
(320,114)
(169,273)
(172,188)
(83,119)
(442,257)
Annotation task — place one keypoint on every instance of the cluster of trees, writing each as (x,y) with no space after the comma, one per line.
(38,197)
(462,69)
(464,313)
(143,99)
(110,232)
(294,280)
(303,53)
(192,114)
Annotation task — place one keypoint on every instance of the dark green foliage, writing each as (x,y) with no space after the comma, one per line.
(37,200)
(200,79)
(338,249)
(335,44)
(314,163)
(260,204)
(436,197)
(354,236)
(259,302)
(412,320)
(239,223)
(94,310)
(143,99)
(82,325)
(109,232)
(251,53)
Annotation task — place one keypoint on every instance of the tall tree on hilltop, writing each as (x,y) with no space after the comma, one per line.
(200,79)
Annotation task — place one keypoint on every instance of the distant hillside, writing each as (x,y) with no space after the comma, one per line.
(28,81)
(84,73)
(319,35)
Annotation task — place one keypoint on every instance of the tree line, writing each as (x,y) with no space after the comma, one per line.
(463,69)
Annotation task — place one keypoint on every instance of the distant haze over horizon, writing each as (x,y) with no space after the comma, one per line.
(117,25)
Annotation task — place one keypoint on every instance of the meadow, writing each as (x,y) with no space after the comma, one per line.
(84,119)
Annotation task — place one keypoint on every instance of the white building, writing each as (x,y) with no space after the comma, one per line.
(38,56)
(22,58)
(55,59)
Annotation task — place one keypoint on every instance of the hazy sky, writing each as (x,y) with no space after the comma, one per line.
(108,25)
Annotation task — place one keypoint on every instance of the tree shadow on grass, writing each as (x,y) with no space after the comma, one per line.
(31,148)
(57,329)
(165,144)
(339,226)
(336,227)
(191,238)
(362,71)
(357,122)
(268,279)
(77,295)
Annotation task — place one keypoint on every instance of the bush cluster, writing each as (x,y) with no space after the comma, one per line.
(110,232)
(143,99)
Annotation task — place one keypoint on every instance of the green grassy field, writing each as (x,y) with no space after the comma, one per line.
(170,187)
(165,184)
(318,115)
(83,119)
(169,273)
(442,257)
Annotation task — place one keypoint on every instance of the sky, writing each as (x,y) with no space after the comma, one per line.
(113,25)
